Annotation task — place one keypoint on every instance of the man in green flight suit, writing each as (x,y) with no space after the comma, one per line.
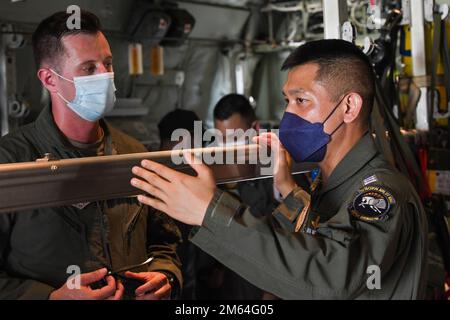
(360,234)
(42,250)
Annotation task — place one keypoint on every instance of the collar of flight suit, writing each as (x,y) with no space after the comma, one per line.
(361,153)
(47,127)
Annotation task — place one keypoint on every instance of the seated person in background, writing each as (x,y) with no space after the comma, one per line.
(234,112)
(176,119)
(38,246)
(182,119)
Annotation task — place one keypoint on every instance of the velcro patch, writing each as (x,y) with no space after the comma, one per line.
(372,203)
(369,180)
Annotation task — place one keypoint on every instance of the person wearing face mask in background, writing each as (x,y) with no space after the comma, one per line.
(40,249)
(180,119)
(235,119)
(234,114)
(361,234)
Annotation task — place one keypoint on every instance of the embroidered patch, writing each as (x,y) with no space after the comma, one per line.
(370,180)
(372,203)
(81,205)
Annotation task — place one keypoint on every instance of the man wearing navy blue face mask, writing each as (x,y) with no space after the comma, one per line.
(40,249)
(360,234)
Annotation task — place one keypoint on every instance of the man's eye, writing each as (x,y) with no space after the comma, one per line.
(301,100)
(89,69)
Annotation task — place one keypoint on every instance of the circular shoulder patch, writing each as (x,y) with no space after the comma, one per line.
(372,203)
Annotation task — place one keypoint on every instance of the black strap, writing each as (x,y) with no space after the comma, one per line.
(404,157)
(334,131)
(446,64)
(434,63)
(445,60)
(334,109)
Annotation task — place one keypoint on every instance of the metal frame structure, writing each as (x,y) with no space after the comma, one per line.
(418,53)
(335,13)
(4,124)
(216,5)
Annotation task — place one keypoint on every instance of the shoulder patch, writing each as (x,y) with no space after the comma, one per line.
(372,203)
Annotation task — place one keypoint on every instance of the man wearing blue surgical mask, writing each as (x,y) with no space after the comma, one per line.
(40,249)
(361,232)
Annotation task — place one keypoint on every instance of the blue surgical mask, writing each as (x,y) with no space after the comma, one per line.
(305,141)
(94,95)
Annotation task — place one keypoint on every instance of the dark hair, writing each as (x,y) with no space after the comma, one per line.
(177,119)
(46,39)
(234,103)
(343,68)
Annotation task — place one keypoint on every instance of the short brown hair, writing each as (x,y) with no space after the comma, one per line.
(46,39)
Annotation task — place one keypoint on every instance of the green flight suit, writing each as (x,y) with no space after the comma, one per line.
(37,246)
(367,216)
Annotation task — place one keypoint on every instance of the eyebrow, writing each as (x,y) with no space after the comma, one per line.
(94,61)
(294,91)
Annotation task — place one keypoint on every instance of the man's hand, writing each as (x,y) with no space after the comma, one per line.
(282,178)
(112,291)
(181,196)
(156,286)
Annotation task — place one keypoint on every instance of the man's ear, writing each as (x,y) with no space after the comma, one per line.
(353,107)
(48,79)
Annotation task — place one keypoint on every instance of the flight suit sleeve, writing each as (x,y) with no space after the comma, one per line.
(11,287)
(162,243)
(331,264)
(292,211)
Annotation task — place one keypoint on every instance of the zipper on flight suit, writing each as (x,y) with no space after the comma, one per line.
(108,150)
(132,225)
(105,241)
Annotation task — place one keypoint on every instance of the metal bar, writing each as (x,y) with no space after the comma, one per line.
(124,36)
(335,12)
(4,125)
(271,31)
(32,185)
(216,5)
(418,53)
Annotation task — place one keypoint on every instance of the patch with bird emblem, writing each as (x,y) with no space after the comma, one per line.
(372,203)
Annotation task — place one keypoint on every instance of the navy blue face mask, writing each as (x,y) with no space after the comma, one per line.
(305,141)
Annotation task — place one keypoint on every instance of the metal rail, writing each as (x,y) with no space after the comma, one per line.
(4,114)
(51,183)
(216,5)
